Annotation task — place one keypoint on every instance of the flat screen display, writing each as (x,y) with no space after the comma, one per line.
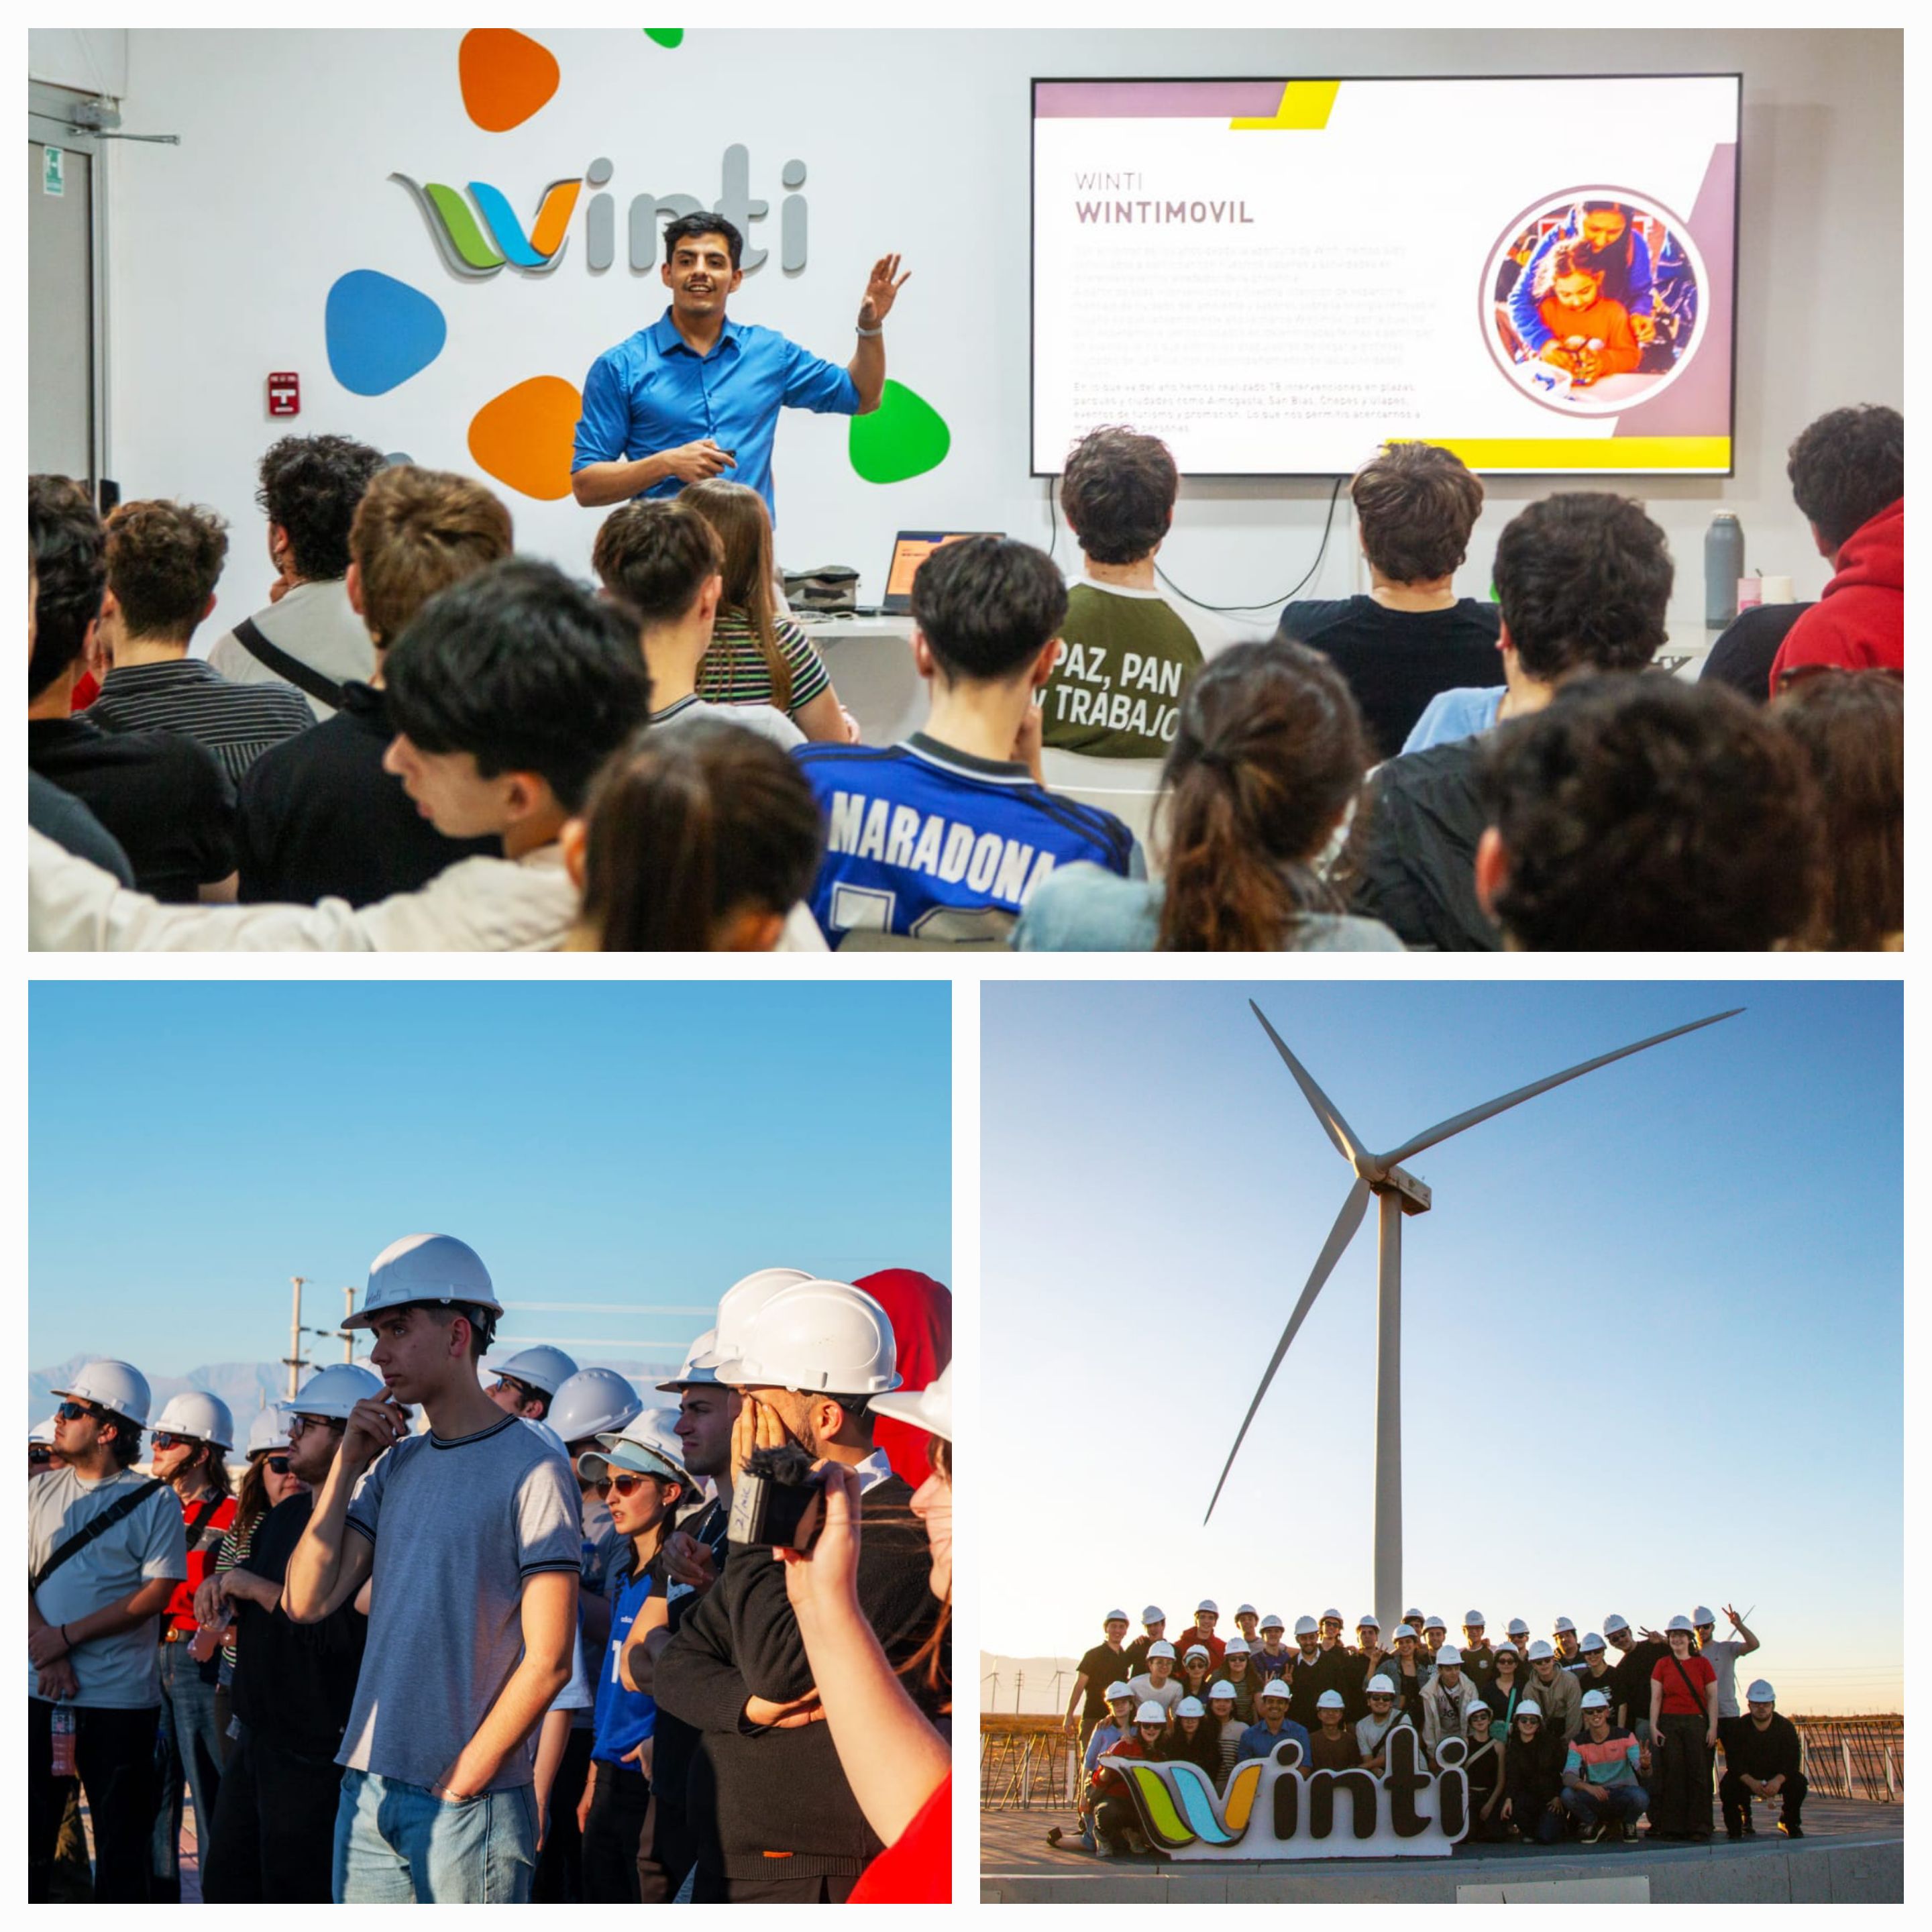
(1276,276)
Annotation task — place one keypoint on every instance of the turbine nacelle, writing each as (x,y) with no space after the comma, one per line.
(1383,1177)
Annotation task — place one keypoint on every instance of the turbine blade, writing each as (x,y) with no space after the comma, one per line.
(1339,1236)
(1337,1130)
(1443,1129)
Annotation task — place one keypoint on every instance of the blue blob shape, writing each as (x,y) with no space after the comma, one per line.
(380,331)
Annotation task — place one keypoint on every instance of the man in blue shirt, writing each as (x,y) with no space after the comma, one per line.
(696,393)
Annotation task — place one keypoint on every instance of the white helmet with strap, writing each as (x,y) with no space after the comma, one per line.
(930,1409)
(205,1417)
(817,1337)
(542,1368)
(334,1391)
(435,1268)
(592,1403)
(118,1386)
(736,1307)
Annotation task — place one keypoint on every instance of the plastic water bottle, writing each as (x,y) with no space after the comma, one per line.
(1723,565)
(63,1727)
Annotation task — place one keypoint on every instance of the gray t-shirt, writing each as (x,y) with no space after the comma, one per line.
(1166,1695)
(457,1526)
(114,1672)
(1722,1654)
(767,720)
(314,623)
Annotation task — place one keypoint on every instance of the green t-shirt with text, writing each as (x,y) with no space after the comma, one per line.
(1124,662)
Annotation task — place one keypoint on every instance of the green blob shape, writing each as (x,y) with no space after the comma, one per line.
(665,37)
(465,237)
(905,436)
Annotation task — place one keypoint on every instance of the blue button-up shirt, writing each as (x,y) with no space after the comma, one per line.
(654,391)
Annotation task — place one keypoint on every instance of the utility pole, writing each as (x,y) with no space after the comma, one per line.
(348,1333)
(1019,1687)
(294,1361)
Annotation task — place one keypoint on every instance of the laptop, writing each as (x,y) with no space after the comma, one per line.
(910,548)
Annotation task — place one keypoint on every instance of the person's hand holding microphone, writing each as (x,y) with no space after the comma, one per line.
(699,462)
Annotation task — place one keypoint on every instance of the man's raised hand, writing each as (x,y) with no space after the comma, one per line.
(377,1423)
(882,291)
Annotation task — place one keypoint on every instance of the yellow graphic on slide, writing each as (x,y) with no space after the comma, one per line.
(1305,105)
(1616,452)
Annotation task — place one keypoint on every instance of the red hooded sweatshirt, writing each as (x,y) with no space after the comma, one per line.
(1859,622)
(921,1311)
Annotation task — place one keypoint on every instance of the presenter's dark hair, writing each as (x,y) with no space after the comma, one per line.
(689,227)
(987,607)
(1847,466)
(164,562)
(656,555)
(524,670)
(1850,726)
(417,531)
(1416,504)
(1118,492)
(1583,578)
(689,824)
(70,565)
(1645,815)
(1268,754)
(311,485)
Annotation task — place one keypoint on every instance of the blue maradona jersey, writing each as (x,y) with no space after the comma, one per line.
(930,843)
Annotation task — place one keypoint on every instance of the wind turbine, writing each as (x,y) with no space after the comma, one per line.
(1397,1193)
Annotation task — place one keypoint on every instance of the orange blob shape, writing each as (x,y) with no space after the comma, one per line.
(524,438)
(506,77)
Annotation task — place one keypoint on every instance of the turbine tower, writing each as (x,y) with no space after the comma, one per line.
(1397,1193)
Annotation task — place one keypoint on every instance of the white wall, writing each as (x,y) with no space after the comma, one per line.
(92,60)
(224,249)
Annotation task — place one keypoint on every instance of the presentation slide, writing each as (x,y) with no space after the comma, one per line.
(1276,276)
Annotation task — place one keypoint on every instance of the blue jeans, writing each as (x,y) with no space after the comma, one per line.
(1626,1801)
(401,1844)
(188,1750)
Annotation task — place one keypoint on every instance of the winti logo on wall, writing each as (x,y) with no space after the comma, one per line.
(381,331)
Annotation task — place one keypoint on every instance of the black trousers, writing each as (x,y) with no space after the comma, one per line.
(274,1838)
(1680,1798)
(783,1892)
(665,1853)
(1113,1818)
(560,1873)
(114,1755)
(1735,1796)
(618,1808)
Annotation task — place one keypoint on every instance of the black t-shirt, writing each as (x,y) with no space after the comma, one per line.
(1100,1667)
(1632,1679)
(294,1681)
(163,797)
(1742,657)
(320,818)
(1412,862)
(1395,661)
(1763,1754)
(60,816)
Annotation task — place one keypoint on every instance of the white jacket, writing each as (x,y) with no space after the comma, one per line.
(1445,1712)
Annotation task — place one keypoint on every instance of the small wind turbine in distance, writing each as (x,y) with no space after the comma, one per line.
(1397,1193)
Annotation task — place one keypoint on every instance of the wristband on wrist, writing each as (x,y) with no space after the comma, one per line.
(870,334)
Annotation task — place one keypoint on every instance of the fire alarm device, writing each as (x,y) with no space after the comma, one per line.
(285,393)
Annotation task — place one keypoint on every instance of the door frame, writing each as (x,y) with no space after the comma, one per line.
(49,121)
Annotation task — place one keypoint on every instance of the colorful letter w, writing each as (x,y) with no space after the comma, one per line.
(467,246)
(1177,1805)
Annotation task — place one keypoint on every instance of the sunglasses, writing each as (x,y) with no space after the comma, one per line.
(297,1423)
(521,1391)
(624,1483)
(167,1439)
(280,1464)
(79,1412)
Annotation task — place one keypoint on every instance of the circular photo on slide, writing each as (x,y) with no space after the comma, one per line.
(1592,302)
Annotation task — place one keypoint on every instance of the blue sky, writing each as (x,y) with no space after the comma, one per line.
(1652,1326)
(194,1144)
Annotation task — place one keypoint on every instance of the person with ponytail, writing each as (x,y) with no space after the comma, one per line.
(1268,757)
(698,837)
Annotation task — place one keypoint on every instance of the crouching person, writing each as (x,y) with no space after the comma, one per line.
(1533,1759)
(1762,1757)
(1600,1790)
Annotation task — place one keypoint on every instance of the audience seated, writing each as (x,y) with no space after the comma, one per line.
(757,654)
(1268,759)
(1647,814)
(319,818)
(163,799)
(308,634)
(664,561)
(1847,473)
(164,562)
(1851,728)
(1127,651)
(699,839)
(1411,638)
(1583,580)
(945,837)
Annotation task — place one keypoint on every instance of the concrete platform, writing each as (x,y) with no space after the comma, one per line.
(1852,1853)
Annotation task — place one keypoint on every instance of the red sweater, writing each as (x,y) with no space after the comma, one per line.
(921,1309)
(917,1868)
(1859,622)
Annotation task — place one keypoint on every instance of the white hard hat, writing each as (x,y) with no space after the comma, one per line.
(1435,1623)
(929,1409)
(735,1307)
(1304,1627)
(334,1391)
(1116,1691)
(435,1268)
(544,1369)
(42,1432)
(1331,1616)
(1529,1708)
(1563,1624)
(1271,1621)
(1190,1707)
(1195,1650)
(1591,1642)
(205,1417)
(118,1386)
(1115,1617)
(1274,1687)
(1235,1646)
(1476,1707)
(1403,1631)
(1330,1700)
(1448,1654)
(1680,1623)
(1379,1686)
(268,1431)
(1704,1616)
(692,1375)
(1761,1692)
(1368,1620)
(1473,1620)
(1540,1650)
(1221,1688)
(1506,1646)
(1412,1617)
(1207,1604)
(818,1337)
(551,1438)
(1151,1713)
(1613,1623)
(1517,1627)
(645,1446)
(1247,1610)
(1160,1647)
(1153,1614)
(1595,1700)
(592,1403)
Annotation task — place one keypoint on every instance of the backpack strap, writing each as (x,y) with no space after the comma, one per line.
(1697,1695)
(290,669)
(115,1513)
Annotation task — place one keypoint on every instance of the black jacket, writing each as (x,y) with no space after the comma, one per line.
(1763,1754)
(1412,863)
(1533,1773)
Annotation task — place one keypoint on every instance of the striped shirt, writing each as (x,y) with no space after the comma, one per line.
(237,722)
(734,670)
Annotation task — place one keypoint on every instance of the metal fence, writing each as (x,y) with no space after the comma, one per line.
(1854,1757)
